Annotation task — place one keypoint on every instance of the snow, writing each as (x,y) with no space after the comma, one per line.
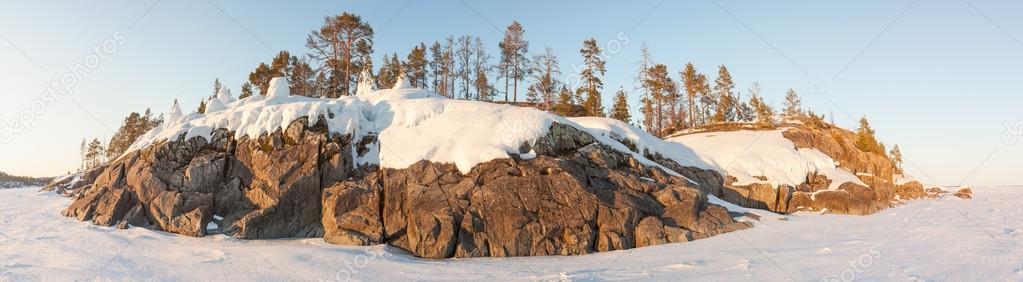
(175,112)
(366,85)
(948,239)
(214,105)
(747,155)
(411,125)
(224,95)
(278,88)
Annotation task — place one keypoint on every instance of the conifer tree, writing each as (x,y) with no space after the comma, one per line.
(303,79)
(590,76)
(246,91)
(763,112)
(202,107)
(514,48)
(481,66)
(792,103)
(83,154)
(708,100)
(865,140)
(463,57)
(545,72)
(415,67)
(261,76)
(689,81)
(437,58)
(896,156)
(724,87)
(343,45)
(620,110)
(216,86)
(649,118)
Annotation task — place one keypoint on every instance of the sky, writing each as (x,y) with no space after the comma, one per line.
(940,78)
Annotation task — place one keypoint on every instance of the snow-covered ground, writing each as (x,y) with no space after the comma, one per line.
(949,239)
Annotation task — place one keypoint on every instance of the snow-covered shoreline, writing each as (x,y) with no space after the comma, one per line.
(921,240)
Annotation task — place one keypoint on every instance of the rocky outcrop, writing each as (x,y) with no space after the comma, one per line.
(915,190)
(266,187)
(964,193)
(813,194)
(576,196)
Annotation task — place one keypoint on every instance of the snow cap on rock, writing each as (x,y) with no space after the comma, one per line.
(279,87)
(402,83)
(366,84)
(224,95)
(175,112)
(214,105)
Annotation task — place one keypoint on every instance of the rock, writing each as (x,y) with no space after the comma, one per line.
(575,197)
(964,193)
(351,213)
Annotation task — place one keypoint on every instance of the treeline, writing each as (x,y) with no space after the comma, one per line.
(13,181)
(95,152)
(460,67)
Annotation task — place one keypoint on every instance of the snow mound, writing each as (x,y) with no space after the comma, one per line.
(750,155)
(279,87)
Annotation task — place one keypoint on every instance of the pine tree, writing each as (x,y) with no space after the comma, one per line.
(590,75)
(202,107)
(281,65)
(764,113)
(708,100)
(481,63)
(545,72)
(514,48)
(343,44)
(83,154)
(246,91)
(793,105)
(216,86)
(302,79)
(415,66)
(865,140)
(689,81)
(724,87)
(261,76)
(649,118)
(620,110)
(661,88)
(646,101)
(389,72)
(437,55)
(463,57)
(896,156)
(94,154)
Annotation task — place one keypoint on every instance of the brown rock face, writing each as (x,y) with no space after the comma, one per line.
(964,193)
(268,187)
(581,198)
(576,197)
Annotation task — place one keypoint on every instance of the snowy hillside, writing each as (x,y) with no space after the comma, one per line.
(747,155)
(744,154)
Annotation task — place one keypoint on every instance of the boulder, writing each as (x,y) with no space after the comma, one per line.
(964,193)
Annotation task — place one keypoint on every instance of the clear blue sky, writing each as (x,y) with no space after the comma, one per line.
(941,78)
